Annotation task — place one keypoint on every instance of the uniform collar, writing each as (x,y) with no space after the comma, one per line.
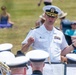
(37,72)
(43,29)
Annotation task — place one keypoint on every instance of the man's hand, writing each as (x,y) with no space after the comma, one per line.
(30,40)
(74,40)
(27,45)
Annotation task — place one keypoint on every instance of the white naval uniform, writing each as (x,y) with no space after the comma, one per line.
(51,41)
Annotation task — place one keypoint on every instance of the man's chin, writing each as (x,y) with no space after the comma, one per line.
(50,22)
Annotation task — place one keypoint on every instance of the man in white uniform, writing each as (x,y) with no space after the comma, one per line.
(47,37)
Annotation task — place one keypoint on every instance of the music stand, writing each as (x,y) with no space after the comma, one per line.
(71,69)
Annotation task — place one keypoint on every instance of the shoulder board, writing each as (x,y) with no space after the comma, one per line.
(35,27)
(57,28)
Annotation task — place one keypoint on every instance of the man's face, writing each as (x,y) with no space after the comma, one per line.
(50,19)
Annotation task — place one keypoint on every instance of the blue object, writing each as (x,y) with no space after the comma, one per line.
(66,24)
(71,32)
(8,25)
(4,22)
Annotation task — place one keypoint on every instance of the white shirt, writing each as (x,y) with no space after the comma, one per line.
(51,41)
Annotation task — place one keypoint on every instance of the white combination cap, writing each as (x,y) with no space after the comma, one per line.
(51,10)
(18,61)
(37,55)
(5,46)
(6,56)
(71,56)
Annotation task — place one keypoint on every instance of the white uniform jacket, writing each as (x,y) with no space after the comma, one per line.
(51,41)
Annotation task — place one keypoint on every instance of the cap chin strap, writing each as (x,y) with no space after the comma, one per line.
(6,50)
(35,60)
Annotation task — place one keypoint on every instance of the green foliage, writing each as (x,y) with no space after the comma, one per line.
(24,13)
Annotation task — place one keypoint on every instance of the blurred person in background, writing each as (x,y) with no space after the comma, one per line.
(72,32)
(64,22)
(5,18)
(46,2)
(41,20)
(64,25)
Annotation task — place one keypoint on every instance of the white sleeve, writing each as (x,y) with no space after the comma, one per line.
(30,34)
(64,43)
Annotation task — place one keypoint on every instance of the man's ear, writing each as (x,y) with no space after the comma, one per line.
(31,64)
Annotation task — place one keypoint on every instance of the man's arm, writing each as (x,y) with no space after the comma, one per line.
(69,48)
(26,46)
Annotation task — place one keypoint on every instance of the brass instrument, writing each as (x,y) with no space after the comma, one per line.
(5,70)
